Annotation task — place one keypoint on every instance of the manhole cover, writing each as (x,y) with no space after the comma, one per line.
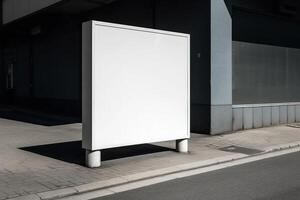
(243,150)
(294,125)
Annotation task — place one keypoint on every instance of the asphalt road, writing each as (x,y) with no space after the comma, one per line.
(271,179)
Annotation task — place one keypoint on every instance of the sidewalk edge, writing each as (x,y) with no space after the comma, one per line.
(131,179)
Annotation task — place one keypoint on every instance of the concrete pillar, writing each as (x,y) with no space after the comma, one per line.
(93,158)
(221,68)
(182,146)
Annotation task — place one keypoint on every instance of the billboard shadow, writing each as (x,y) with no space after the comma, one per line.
(72,152)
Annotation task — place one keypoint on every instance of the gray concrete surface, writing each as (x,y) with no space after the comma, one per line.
(292,114)
(221,119)
(221,68)
(283,113)
(257,117)
(267,116)
(275,178)
(46,160)
(237,119)
(275,115)
(250,116)
(255,82)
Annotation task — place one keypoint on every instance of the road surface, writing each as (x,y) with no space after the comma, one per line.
(271,179)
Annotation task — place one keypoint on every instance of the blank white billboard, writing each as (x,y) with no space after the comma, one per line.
(135,85)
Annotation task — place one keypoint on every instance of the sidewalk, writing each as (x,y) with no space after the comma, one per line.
(44,162)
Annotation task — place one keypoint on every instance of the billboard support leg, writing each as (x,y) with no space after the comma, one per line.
(93,158)
(182,146)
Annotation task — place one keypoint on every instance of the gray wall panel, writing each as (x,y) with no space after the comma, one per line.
(265,74)
(221,119)
(291,114)
(258,27)
(248,118)
(293,74)
(275,115)
(221,54)
(22,69)
(221,67)
(237,119)
(298,113)
(283,112)
(200,118)
(57,62)
(257,117)
(267,116)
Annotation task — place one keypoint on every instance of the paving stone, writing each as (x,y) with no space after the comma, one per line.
(24,172)
(57,193)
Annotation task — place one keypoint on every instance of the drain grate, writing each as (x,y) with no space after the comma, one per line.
(294,125)
(243,150)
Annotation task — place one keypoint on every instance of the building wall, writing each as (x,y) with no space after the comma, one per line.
(22,67)
(191,17)
(15,9)
(265,74)
(47,66)
(266,67)
(56,62)
(261,74)
(250,116)
(221,68)
(265,29)
(265,85)
(54,54)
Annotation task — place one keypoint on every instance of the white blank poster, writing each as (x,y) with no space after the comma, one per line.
(135,85)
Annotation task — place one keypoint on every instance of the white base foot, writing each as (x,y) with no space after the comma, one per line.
(182,146)
(92,158)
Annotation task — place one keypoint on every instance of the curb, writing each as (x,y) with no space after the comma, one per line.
(108,187)
(282,147)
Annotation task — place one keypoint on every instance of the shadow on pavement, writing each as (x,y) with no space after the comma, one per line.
(73,153)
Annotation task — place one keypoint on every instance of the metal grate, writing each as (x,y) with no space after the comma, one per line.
(243,150)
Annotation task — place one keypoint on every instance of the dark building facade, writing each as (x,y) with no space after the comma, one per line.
(244,56)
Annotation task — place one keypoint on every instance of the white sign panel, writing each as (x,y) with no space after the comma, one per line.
(135,85)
